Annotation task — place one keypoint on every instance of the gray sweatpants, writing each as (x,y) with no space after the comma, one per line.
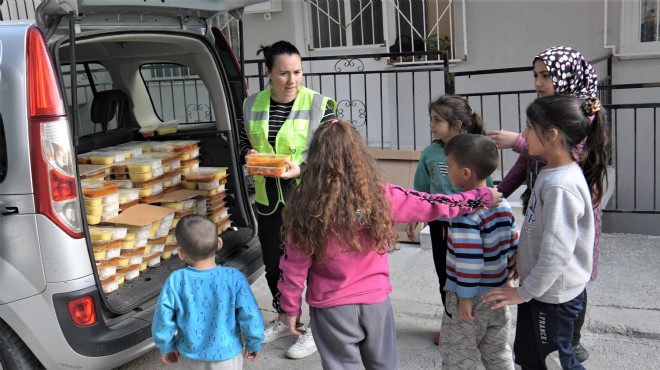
(355,335)
(488,333)
(234,363)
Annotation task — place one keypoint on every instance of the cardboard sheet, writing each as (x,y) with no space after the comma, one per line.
(141,215)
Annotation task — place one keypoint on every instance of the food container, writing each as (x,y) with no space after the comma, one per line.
(105,216)
(122,184)
(122,261)
(112,250)
(189,154)
(160,240)
(190,185)
(208,185)
(144,164)
(181,205)
(138,232)
(266,171)
(127,153)
(93,201)
(167,252)
(143,266)
(170,238)
(94,211)
(128,195)
(123,207)
(112,198)
(99,174)
(166,221)
(144,176)
(153,259)
(130,272)
(93,220)
(215,197)
(109,284)
(127,244)
(189,165)
(160,233)
(158,248)
(95,189)
(99,253)
(223,225)
(172,178)
(134,255)
(205,174)
(84,158)
(100,234)
(108,157)
(106,268)
(266,159)
(120,278)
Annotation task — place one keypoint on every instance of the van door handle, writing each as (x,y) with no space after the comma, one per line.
(5,210)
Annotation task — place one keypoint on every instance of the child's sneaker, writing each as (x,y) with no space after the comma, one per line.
(276,329)
(303,347)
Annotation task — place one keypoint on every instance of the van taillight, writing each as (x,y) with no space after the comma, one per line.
(82,311)
(51,150)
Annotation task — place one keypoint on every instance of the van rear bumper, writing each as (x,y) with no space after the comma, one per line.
(106,337)
(43,323)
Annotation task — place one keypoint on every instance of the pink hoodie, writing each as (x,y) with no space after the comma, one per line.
(363,277)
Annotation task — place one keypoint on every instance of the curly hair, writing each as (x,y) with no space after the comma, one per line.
(339,197)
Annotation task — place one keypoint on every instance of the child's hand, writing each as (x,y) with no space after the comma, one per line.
(170,358)
(249,355)
(513,271)
(292,171)
(292,322)
(505,296)
(497,196)
(465,309)
(503,139)
(410,230)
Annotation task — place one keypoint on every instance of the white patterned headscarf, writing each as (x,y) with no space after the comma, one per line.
(571,73)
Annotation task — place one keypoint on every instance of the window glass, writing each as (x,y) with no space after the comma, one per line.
(90,77)
(177,93)
(342,23)
(649,21)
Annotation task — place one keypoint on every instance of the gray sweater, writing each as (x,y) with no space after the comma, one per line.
(556,244)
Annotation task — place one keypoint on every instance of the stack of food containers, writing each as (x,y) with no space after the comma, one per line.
(106,243)
(188,150)
(101,200)
(171,169)
(212,180)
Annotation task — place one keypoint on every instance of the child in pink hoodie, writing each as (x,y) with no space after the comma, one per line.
(338,229)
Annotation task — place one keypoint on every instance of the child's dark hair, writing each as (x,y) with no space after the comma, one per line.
(571,116)
(273,51)
(455,108)
(473,151)
(340,196)
(197,236)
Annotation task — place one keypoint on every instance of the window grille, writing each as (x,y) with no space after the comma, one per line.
(419,25)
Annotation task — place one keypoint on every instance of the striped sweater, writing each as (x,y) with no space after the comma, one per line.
(478,249)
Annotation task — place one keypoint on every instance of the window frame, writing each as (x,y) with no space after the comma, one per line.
(630,32)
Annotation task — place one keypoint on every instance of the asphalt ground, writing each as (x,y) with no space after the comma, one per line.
(622,328)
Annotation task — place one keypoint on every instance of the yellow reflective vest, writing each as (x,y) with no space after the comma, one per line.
(305,116)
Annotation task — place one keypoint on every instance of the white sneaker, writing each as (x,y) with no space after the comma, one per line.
(274,330)
(303,347)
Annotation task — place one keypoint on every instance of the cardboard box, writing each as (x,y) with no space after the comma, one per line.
(398,167)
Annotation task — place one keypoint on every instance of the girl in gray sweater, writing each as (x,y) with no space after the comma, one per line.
(554,259)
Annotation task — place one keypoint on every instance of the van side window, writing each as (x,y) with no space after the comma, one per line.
(177,93)
(92,78)
(3,151)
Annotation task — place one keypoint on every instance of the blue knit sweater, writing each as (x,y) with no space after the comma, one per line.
(202,313)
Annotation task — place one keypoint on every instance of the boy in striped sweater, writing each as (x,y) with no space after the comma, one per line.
(480,248)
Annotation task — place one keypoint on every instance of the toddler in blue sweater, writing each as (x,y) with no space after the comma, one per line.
(204,308)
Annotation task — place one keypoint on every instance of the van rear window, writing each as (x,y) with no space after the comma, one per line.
(92,78)
(177,93)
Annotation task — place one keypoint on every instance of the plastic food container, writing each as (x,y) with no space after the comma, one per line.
(182,205)
(105,216)
(109,284)
(208,185)
(223,225)
(127,153)
(160,240)
(216,197)
(205,174)
(122,261)
(94,211)
(109,199)
(170,238)
(127,244)
(106,268)
(189,154)
(134,255)
(153,259)
(143,164)
(167,252)
(130,272)
(123,207)
(143,266)
(128,195)
(266,159)
(120,278)
(93,220)
(99,253)
(100,234)
(144,176)
(158,248)
(95,189)
(93,202)
(122,184)
(108,157)
(95,175)
(189,165)
(265,171)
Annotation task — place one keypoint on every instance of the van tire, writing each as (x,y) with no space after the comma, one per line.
(14,354)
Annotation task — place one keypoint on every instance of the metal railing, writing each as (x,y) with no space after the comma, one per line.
(390,109)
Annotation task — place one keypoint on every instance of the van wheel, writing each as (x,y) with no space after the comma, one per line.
(14,354)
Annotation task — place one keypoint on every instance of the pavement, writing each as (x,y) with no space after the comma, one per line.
(622,328)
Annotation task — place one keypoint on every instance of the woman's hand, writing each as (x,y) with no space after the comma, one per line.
(503,139)
(251,151)
(505,296)
(292,171)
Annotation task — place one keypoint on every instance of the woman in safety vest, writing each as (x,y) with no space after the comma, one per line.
(280,119)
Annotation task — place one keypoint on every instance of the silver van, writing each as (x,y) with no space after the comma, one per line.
(85,75)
